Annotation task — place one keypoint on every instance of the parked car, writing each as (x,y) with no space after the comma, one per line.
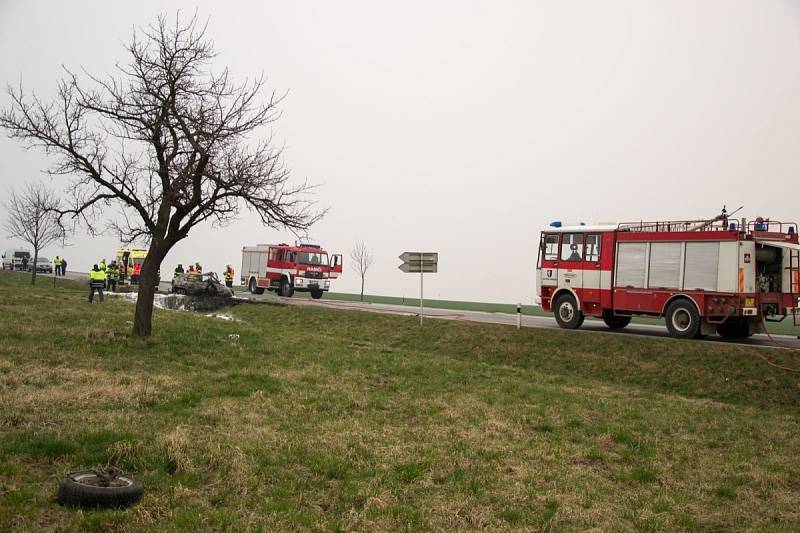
(12,258)
(207,284)
(43,264)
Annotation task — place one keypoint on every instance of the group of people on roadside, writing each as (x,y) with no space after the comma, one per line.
(106,277)
(60,265)
(103,277)
(194,272)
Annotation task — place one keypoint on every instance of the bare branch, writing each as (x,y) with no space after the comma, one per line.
(163,143)
(361,258)
(32,217)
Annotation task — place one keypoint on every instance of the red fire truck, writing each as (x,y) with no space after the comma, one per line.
(702,276)
(285,269)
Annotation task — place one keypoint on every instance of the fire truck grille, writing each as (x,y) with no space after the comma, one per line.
(315,275)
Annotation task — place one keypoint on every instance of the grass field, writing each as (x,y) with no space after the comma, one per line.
(331,420)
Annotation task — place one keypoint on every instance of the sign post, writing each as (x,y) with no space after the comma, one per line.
(421,262)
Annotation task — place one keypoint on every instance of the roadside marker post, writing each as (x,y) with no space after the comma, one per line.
(422,263)
(519,316)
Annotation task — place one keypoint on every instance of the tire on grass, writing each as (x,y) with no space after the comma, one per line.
(88,489)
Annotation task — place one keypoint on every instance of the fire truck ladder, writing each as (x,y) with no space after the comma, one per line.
(794,283)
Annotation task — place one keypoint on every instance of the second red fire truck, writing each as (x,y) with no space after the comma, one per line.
(715,276)
(285,269)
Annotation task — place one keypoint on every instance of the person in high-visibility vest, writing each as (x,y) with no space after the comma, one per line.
(97,281)
(102,265)
(228,274)
(137,271)
(57,264)
(112,273)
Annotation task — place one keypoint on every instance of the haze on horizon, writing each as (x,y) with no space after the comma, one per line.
(466,127)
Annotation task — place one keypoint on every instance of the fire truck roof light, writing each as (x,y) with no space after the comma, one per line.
(555,224)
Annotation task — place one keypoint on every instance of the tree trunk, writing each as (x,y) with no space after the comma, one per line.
(362,288)
(143,316)
(33,268)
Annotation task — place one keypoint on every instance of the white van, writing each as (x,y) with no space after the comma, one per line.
(12,258)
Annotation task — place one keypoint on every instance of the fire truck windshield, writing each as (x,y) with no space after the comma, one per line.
(312,258)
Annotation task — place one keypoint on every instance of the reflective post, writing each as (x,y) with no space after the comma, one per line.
(519,316)
(420,299)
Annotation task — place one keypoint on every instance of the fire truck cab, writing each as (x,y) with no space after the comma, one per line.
(285,269)
(714,276)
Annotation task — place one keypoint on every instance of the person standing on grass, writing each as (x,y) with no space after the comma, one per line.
(228,274)
(24,264)
(63,267)
(97,281)
(57,265)
(112,272)
(137,271)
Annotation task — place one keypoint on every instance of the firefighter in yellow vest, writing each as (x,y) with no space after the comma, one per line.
(102,265)
(57,263)
(112,274)
(97,282)
(228,274)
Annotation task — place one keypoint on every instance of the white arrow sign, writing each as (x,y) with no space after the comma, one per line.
(422,263)
(414,268)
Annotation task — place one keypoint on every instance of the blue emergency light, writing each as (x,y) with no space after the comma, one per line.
(555,224)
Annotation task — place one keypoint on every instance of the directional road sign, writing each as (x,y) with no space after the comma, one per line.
(419,262)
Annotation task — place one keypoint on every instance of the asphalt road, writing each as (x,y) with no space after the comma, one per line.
(780,341)
(785,341)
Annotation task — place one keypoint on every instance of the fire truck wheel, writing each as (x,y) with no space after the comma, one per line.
(615,321)
(255,289)
(316,294)
(566,311)
(683,320)
(734,329)
(286,288)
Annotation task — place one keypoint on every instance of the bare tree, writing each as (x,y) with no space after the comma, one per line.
(362,260)
(162,143)
(33,218)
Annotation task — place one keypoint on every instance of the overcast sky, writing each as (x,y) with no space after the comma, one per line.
(465,127)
